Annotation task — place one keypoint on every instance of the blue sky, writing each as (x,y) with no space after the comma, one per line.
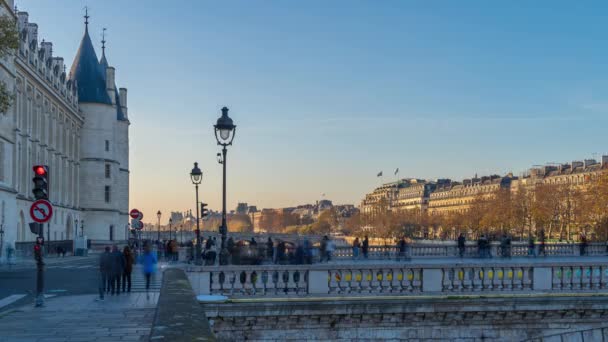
(326,94)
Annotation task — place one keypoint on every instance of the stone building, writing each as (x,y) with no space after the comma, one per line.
(450,197)
(77,124)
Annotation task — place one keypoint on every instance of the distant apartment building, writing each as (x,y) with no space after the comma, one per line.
(444,196)
(450,197)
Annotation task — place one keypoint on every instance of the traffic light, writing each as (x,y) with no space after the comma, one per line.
(41,182)
(38,249)
(204,210)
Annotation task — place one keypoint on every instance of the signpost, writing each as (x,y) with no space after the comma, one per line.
(136,217)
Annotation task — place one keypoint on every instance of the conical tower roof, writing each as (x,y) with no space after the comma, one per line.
(88,73)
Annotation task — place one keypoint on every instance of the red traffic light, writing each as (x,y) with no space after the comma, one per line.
(40,170)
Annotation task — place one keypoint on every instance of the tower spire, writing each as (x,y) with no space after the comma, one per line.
(103,41)
(86,17)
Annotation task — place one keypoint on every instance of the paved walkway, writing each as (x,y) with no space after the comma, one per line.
(127,317)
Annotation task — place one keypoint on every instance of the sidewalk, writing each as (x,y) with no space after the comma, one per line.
(48,261)
(127,317)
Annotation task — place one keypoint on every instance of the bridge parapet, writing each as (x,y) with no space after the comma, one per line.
(411,279)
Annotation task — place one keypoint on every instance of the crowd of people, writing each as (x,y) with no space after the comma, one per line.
(116,267)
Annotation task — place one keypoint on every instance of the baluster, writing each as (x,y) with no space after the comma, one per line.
(556,278)
(344,280)
(507,278)
(467,281)
(595,280)
(266,283)
(355,285)
(275,282)
(291,284)
(417,279)
(334,276)
(586,277)
(603,277)
(527,278)
(447,277)
(216,287)
(375,282)
(387,277)
(476,279)
(458,279)
(496,280)
(395,281)
(576,277)
(567,278)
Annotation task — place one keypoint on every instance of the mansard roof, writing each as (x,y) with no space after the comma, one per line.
(88,73)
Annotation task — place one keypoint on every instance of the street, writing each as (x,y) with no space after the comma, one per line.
(63,277)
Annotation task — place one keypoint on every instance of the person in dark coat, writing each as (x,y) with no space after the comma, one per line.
(126,274)
(401,248)
(270,249)
(105,262)
(461,245)
(117,268)
(365,247)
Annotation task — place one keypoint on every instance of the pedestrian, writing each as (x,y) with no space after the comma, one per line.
(365,247)
(401,248)
(583,245)
(323,248)
(356,246)
(280,255)
(531,246)
(253,242)
(329,249)
(211,255)
(126,274)
(270,249)
(105,260)
(118,267)
(480,246)
(461,245)
(508,246)
(541,240)
(231,251)
(307,251)
(503,246)
(148,260)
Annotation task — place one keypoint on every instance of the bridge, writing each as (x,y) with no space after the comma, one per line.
(440,298)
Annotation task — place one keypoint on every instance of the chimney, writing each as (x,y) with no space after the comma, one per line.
(123,97)
(575,164)
(22,17)
(32,32)
(589,162)
(110,83)
(48,49)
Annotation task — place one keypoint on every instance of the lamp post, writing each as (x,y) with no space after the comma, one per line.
(181,233)
(2,240)
(224,134)
(196,175)
(170,227)
(75,228)
(158,214)
(82,228)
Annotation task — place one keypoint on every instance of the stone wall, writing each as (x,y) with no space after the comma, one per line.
(399,318)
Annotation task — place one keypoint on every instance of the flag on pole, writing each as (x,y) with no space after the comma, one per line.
(379,174)
(397,171)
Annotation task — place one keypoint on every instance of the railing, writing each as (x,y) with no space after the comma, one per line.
(417,250)
(399,279)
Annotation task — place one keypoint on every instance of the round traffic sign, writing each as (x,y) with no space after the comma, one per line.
(134,213)
(41,211)
(137,225)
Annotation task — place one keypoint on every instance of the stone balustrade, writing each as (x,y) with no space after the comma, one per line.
(358,279)
(429,250)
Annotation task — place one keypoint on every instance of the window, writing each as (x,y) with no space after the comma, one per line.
(107,145)
(107,194)
(107,170)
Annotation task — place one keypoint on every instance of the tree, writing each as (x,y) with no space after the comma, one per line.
(9,43)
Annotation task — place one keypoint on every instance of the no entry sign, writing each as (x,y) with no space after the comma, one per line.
(41,211)
(136,214)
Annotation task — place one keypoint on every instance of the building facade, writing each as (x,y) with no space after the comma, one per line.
(77,124)
(444,196)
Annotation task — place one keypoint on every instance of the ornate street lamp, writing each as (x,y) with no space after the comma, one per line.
(196,175)
(224,134)
(158,214)
(170,228)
